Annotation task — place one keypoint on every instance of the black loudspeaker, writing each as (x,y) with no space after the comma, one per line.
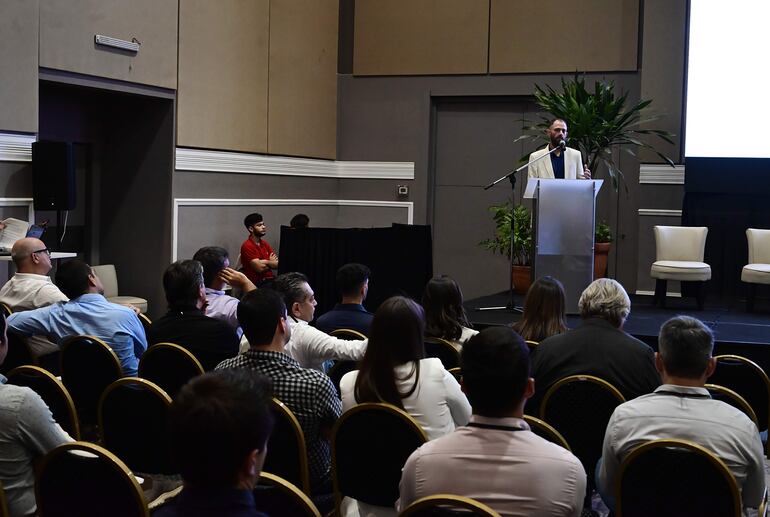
(53,178)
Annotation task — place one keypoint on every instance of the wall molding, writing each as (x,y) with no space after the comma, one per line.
(246,163)
(21,201)
(657,174)
(16,147)
(652,293)
(659,212)
(180,202)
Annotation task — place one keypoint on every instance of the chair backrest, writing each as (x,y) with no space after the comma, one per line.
(19,353)
(133,418)
(5,309)
(287,450)
(169,366)
(546,431)
(53,393)
(668,478)
(686,243)
(338,371)
(276,496)
(347,334)
(749,380)
(579,407)
(83,479)
(146,323)
(446,504)
(109,278)
(444,350)
(370,444)
(759,245)
(730,397)
(88,366)
(457,373)
(532,344)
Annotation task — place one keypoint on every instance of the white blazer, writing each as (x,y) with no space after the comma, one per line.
(573,165)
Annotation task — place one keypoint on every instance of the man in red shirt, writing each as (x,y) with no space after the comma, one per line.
(257,257)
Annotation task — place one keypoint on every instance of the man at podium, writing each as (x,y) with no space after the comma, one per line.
(564,162)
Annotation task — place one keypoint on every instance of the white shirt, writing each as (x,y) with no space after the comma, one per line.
(27,291)
(724,430)
(465,335)
(310,347)
(438,404)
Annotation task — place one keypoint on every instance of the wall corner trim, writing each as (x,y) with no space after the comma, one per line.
(202,160)
(658,174)
(15,147)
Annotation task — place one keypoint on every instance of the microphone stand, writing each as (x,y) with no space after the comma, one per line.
(511,305)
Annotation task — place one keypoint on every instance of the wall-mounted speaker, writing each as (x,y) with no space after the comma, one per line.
(53,168)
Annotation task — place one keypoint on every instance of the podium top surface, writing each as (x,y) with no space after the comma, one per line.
(532,183)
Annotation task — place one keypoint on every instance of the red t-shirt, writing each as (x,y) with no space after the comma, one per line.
(251,251)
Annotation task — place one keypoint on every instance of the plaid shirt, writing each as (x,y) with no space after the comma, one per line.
(308,393)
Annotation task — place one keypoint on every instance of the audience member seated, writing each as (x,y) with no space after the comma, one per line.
(217,274)
(220,424)
(496,459)
(308,345)
(682,408)
(353,285)
(444,313)
(395,370)
(27,431)
(299,221)
(210,340)
(257,256)
(86,312)
(599,347)
(544,311)
(31,287)
(308,393)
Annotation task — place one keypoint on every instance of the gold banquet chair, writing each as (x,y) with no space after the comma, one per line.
(447,504)
(287,449)
(276,496)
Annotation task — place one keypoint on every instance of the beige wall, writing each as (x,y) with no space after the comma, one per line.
(223,63)
(18,60)
(419,37)
(67,30)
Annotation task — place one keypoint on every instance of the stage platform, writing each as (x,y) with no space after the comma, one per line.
(735,330)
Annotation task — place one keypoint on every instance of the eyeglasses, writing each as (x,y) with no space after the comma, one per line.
(44,250)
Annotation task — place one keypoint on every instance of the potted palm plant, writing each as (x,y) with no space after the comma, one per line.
(504,215)
(598,121)
(602,244)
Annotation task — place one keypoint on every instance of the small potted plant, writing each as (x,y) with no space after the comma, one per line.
(503,215)
(602,244)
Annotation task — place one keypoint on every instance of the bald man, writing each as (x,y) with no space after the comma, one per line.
(31,287)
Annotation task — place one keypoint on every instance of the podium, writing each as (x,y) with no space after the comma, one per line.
(563,232)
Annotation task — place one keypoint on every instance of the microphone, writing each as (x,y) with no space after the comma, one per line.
(562,144)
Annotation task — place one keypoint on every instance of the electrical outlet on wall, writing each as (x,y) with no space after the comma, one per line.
(402,191)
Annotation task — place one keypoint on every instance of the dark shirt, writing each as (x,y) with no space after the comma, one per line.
(210,340)
(557,162)
(346,316)
(212,502)
(594,348)
(309,394)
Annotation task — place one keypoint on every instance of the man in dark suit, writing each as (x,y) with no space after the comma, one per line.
(599,347)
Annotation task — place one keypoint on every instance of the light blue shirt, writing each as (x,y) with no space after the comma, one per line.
(89,314)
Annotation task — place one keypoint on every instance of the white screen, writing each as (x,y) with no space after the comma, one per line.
(727,77)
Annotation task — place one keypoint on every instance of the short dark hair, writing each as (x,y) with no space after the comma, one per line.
(252,219)
(72,278)
(299,221)
(212,258)
(259,312)
(351,277)
(182,282)
(685,345)
(216,420)
(289,286)
(495,365)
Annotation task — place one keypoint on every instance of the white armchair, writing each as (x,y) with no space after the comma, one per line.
(109,278)
(679,256)
(757,271)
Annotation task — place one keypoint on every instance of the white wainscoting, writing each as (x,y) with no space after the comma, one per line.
(16,147)
(656,174)
(21,201)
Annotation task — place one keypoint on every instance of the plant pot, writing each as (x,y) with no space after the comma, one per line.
(601,254)
(522,279)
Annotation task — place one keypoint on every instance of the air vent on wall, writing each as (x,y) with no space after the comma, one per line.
(121,44)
